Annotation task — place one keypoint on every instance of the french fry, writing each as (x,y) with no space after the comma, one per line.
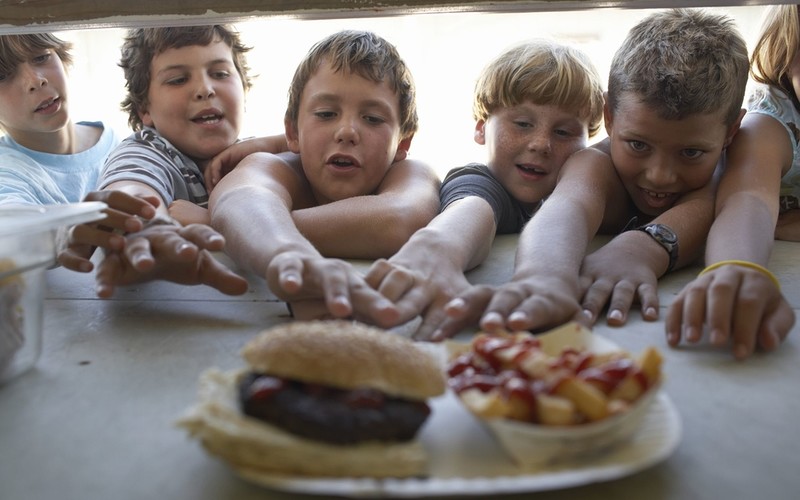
(587,398)
(650,363)
(554,410)
(485,404)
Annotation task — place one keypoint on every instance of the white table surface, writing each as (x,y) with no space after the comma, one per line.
(94,418)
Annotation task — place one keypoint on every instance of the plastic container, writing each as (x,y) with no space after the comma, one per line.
(27,249)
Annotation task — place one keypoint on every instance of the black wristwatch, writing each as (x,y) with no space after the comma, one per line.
(665,237)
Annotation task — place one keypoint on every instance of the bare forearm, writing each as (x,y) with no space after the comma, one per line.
(742,231)
(256,227)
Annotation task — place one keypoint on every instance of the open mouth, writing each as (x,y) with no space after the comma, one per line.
(531,170)
(47,104)
(208,119)
(342,162)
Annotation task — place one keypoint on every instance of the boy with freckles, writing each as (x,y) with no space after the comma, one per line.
(345,190)
(674,103)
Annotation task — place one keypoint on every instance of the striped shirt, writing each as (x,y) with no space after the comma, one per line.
(150,159)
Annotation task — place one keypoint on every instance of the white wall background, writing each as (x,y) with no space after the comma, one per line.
(444,51)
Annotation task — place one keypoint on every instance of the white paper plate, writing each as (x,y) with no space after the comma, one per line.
(466,460)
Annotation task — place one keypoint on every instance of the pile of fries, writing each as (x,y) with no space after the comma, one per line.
(510,376)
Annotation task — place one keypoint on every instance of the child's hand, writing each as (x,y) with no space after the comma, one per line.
(186,213)
(522,304)
(295,276)
(169,252)
(226,160)
(123,215)
(739,305)
(416,293)
(616,278)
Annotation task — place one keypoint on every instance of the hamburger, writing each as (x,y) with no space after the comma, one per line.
(320,398)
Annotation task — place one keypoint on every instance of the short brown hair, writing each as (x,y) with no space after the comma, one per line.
(365,54)
(141,45)
(543,72)
(682,62)
(16,49)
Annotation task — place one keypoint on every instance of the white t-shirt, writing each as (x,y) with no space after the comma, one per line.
(35,178)
(775,103)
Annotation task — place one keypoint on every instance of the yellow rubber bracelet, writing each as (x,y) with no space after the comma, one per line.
(744,263)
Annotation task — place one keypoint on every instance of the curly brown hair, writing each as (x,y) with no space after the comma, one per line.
(141,45)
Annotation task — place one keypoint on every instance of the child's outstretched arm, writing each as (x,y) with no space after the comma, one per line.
(627,268)
(252,206)
(428,271)
(376,225)
(544,291)
(736,298)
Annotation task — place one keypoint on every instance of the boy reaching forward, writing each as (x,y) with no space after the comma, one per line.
(674,103)
(185,100)
(534,105)
(351,117)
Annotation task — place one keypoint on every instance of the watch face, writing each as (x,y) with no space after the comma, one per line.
(664,233)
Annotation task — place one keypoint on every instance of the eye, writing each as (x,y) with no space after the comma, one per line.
(324,115)
(523,124)
(220,75)
(374,120)
(692,154)
(178,80)
(637,146)
(43,58)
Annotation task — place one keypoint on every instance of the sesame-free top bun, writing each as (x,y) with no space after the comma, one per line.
(346,355)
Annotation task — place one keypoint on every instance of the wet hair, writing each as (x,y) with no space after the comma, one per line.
(367,55)
(543,72)
(16,49)
(777,47)
(141,45)
(682,62)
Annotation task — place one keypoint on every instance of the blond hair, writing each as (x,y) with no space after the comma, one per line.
(367,55)
(543,72)
(776,47)
(682,62)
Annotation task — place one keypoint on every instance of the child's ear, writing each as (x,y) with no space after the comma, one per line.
(480,132)
(292,136)
(734,128)
(608,118)
(402,149)
(147,120)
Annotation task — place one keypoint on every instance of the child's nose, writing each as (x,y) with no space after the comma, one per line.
(660,172)
(205,90)
(33,79)
(347,131)
(539,142)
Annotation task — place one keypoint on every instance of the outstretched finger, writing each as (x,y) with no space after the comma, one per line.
(595,298)
(215,274)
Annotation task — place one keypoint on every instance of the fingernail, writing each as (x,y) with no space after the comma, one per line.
(651,312)
(456,304)
(215,238)
(588,314)
(518,316)
(741,351)
(672,338)
(717,337)
(692,334)
(616,315)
